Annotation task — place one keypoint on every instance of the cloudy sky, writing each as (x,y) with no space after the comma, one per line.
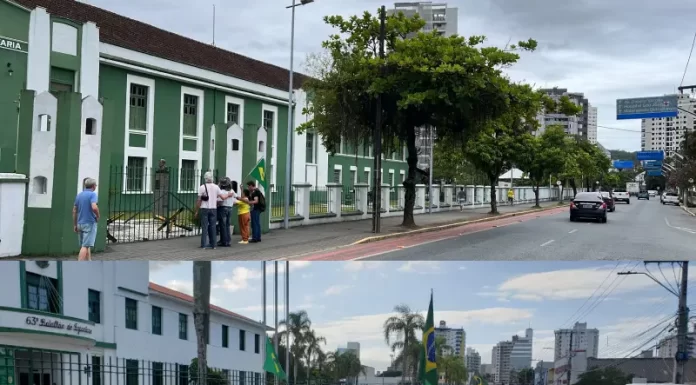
(349,301)
(606,49)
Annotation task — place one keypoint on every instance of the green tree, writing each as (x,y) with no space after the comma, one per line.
(312,349)
(210,376)
(453,370)
(543,156)
(400,334)
(606,376)
(451,83)
(451,167)
(525,376)
(298,325)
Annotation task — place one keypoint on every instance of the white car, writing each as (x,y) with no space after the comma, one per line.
(622,196)
(671,198)
(652,193)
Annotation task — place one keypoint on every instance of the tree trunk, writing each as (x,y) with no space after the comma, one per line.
(536,196)
(410,182)
(201,314)
(494,201)
(574,186)
(294,372)
(405,355)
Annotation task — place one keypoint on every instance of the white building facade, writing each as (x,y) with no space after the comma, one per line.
(473,361)
(455,337)
(104,323)
(583,339)
(521,353)
(592,125)
(667,134)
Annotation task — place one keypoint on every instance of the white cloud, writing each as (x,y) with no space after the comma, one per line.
(367,329)
(181,286)
(336,289)
(462,267)
(354,266)
(239,280)
(419,267)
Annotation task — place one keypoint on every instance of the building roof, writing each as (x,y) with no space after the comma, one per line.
(134,35)
(185,297)
(657,370)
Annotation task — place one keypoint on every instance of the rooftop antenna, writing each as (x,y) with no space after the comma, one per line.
(213,25)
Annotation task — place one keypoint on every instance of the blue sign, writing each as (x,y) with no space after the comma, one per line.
(646,108)
(650,155)
(623,164)
(652,164)
(653,172)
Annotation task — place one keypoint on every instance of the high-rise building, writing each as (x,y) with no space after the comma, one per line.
(502,362)
(583,339)
(473,361)
(455,337)
(512,355)
(442,19)
(667,348)
(572,125)
(353,347)
(667,134)
(592,125)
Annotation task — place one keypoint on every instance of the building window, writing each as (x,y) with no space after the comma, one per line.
(391,179)
(225,336)
(257,343)
(337,176)
(135,174)
(182,375)
(157,320)
(190,115)
(42,293)
(131,372)
(257,378)
(94,304)
(96,370)
(131,314)
(137,118)
(183,326)
(353,177)
(309,153)
(232,113)
(242,377)
(235,144)
(242,340)
(188,175)
(268,120)
(62,80)
(157,373)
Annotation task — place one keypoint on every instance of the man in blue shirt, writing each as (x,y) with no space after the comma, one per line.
(85,218)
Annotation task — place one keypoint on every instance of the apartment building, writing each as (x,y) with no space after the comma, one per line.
(473,361)
(592,125)
(667,134)
(572,125)
(583,339)
(455,337)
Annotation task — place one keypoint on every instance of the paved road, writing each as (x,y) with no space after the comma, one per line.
(641,230)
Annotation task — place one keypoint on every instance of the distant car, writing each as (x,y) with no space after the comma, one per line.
(670,198)
(643,195)
(608,198)
(621,195)
(652,193)
(662,197)
(588,205)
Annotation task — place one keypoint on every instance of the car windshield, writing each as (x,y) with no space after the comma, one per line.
(587,197)
(606,194)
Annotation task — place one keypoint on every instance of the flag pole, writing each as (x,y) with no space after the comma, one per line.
(287,317)
(263,301)
(275,297)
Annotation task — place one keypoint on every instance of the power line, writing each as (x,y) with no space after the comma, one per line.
(688,60)
(618,129)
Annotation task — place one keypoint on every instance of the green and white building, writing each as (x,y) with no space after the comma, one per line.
(85,92)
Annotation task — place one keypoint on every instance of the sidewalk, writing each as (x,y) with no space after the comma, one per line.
(293,242)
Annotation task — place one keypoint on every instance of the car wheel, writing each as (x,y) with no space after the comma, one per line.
(604,219)
(628,202)
(572,218)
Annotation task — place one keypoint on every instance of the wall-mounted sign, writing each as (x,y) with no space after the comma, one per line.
(49,323)
(13,44)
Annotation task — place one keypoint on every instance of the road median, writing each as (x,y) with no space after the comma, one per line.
(376,238)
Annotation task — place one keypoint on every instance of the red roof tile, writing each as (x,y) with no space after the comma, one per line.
(185,297)
(138,36)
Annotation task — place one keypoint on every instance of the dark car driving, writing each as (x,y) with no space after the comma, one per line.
(644,195)
(609,200)
(589,205)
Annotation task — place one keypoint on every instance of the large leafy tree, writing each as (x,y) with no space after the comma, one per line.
(451,83)
(400,333)
(606,376)
(298,325)
(543,156)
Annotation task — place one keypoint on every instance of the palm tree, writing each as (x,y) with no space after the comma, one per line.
(202,271)
(453,369)
(297,324)
(312,348)
(400,333)
(346,365)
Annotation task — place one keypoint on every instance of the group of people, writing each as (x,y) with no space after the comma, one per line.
(214,208)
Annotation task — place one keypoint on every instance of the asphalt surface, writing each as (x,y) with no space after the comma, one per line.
(638,231)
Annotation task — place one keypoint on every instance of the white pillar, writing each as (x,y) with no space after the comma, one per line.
(12,193)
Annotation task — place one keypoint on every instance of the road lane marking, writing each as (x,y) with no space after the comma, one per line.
(572,231)
(680,228)
(547,243)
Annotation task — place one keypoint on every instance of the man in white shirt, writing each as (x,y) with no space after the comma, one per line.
(208,195)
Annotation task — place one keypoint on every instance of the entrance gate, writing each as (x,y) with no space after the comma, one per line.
(26,366)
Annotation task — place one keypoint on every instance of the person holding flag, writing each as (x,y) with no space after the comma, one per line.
(428,364)
(257,199)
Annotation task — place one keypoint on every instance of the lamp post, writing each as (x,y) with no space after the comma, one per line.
(560,191)
(291,116)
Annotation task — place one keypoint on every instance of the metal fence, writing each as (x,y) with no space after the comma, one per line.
(277,198)
(25,366)
(152,203)
(348,200)
(318,201)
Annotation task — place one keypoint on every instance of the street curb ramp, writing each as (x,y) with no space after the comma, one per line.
(687,210)
(450,226)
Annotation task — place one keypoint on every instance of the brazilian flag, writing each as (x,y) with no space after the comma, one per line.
(272,365)
(259,174)
(428,366)
(478,380)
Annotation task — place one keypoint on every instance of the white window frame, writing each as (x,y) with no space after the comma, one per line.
(149,132)
(355,178)
(191,155)
(369,175)
(315,155)
(274,135)
(403,175)
(240,103)
(391,177)
(339,168)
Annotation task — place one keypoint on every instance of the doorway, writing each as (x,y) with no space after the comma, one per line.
(39,367)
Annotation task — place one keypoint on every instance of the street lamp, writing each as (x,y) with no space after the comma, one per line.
(560,191)
(291,120)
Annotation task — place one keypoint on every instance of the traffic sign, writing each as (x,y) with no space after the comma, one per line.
(652,164)
(653,172)
(650,155)
(623,164)
(646,108)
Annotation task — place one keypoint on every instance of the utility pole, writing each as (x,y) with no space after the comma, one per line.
(683,352)
(377,138)
(570,358)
